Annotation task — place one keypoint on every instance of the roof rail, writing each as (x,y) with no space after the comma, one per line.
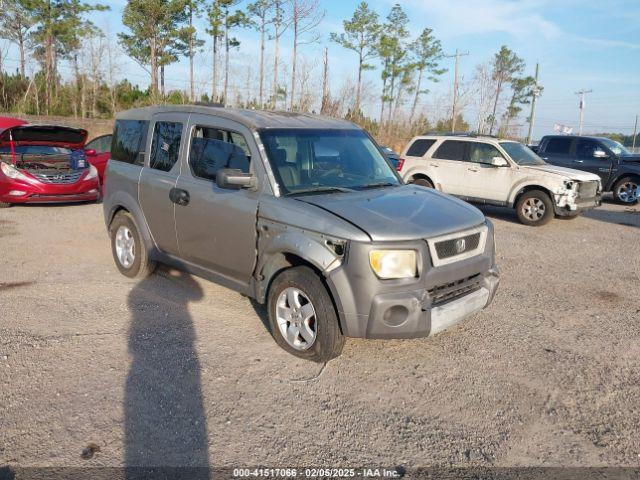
(210,104)
(459,134)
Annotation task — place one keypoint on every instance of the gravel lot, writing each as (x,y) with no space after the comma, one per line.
(175,370)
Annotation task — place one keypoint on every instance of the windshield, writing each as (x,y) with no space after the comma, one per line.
(615,147)
(521,154)
(305,160)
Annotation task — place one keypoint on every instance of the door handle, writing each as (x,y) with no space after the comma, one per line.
(473,169)
(434,165)
(545,158)
(579,161)
(179,196)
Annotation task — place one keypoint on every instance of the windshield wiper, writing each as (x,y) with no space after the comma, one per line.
(377,185)
(307,191)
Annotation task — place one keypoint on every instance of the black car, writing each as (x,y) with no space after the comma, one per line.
(617,166)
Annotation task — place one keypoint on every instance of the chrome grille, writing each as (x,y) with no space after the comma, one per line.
(457,246)
(59,178)
(588,189)
(447,292)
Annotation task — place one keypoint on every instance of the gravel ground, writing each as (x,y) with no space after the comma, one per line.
(175,370)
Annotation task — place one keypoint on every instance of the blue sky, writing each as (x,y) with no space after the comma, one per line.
(593,45)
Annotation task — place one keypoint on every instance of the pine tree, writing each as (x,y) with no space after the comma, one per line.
(361,34)
(506,66)
(427,51)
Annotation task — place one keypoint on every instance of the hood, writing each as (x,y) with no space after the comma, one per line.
(570,173)
(631,158)
(51,135)
(400,213)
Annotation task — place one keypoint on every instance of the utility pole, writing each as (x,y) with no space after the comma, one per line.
(457,56)
(635,133)
(532,116)
(582,93)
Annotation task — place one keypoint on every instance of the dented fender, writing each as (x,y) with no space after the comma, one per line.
(278,243)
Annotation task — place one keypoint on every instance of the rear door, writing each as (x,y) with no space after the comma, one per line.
(450,164)
(217,228)
(557,151)
(586,160)
(159,177)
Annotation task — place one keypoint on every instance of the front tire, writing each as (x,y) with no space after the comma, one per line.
(535,208)
(302,318)
(129,250)
(625,191)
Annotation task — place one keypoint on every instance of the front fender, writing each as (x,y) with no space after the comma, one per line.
(121,199)
(278,243)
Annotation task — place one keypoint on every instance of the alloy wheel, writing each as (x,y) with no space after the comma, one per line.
(125,247)
(533,209)
(628,192)
(296,318)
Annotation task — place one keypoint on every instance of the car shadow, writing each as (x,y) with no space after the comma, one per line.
(262,313)
(500,213)
(165,421)
(629,217)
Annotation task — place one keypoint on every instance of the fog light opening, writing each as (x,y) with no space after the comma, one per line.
(17,193)
(396,315)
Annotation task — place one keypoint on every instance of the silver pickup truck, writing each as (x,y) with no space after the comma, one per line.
(300,212)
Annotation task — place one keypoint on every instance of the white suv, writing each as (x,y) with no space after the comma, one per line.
(499,172)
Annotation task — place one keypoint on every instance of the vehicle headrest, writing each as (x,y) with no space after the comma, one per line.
(281,157)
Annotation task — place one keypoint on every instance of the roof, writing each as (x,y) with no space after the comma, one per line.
(254,119)
(586,137)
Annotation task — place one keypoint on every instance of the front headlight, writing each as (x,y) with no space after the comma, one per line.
(93,173)
(389,264)
(12,172)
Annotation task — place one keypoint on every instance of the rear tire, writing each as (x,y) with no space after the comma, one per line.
(534,208)
(625,191)
(128,248)
(423,182)
(302,318)
(5,205)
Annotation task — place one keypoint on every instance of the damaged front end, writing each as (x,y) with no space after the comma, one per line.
(576,196)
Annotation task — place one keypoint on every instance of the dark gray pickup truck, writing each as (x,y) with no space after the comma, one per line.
(618,168)
(301,212)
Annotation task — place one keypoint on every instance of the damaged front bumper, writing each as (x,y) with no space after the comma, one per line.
(409,308)
(569,205)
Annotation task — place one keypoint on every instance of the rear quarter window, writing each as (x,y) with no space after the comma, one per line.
(128,141)
(420,147)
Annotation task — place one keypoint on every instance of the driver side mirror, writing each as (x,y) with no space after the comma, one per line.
(234,179)
(600,154)
(498,162)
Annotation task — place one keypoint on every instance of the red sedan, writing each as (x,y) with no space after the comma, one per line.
(44,164)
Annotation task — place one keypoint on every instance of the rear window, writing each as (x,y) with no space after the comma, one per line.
(559,146)
(451,150)
(420,147)
(128,142)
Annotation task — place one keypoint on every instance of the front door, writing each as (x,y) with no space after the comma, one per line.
(485,181)
(159,177)
(585,159)
(217,228)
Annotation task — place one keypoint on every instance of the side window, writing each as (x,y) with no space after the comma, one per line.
(213,149)
(128,141)
(586,148)
(165,146)
(483,153)
(558,146)
(451,150)
(100,145)
(420,147)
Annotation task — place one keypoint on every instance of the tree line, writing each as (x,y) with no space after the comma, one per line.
(56,36)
